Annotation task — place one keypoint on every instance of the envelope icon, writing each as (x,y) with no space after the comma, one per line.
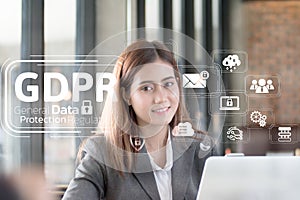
(194,81)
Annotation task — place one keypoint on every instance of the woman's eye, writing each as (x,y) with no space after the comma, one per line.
(169,84)
(147,88)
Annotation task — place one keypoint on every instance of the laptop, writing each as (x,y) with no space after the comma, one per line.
(250,178)
(229,103)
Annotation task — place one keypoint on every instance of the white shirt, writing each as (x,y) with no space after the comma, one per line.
(163,175)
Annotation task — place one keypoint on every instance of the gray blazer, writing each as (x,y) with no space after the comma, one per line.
(95,179)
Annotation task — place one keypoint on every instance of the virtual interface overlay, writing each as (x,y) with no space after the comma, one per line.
(68,97)
(72,95)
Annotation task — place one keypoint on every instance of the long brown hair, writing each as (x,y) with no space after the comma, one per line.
(118,120)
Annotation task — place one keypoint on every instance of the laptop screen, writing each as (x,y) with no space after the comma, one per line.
(249,178)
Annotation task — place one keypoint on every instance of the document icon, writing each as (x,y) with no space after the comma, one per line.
(195,80)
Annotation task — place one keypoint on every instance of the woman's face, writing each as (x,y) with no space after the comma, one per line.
(154,94)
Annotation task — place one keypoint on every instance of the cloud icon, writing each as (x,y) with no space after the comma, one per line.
(183,129)
(231,62)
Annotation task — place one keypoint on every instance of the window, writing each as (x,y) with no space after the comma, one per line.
(60,29)
(10,47)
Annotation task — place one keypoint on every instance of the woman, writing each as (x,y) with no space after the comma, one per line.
(142,153)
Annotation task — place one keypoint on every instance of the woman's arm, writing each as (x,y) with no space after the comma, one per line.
(89,181)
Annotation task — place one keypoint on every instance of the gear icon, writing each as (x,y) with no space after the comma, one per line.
(262,123)
(263,118)
(256,116)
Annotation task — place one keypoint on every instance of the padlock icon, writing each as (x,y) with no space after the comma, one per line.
(204,75)
(137,142)
(229,102)
(86,107)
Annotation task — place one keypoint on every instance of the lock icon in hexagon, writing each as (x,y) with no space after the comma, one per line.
(86,107)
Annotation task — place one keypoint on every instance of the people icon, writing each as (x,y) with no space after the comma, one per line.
(270,85)
(253,85)
(262,86)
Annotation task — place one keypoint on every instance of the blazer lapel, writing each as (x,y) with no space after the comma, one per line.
(144,174)
(147,181)
(181,168)
(180,171)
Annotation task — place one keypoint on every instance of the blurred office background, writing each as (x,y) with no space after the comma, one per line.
(268,31)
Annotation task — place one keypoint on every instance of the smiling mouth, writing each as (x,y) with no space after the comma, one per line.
(161,110)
